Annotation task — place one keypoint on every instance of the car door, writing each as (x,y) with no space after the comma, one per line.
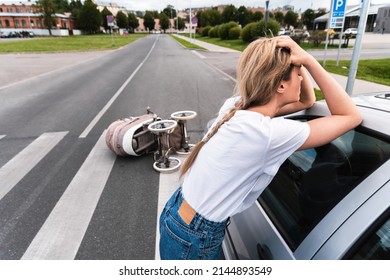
(365,234)
(301,208)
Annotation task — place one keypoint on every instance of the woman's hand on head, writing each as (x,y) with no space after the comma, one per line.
(298,55)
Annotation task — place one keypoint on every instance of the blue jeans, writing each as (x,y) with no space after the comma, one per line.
(200,240)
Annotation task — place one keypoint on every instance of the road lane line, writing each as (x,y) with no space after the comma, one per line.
(198,54)
(60,236)
(111,101)
(2,136)
(168,184)
(15,169)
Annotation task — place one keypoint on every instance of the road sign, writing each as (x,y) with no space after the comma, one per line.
(338,14)
(110,20)
(194,20)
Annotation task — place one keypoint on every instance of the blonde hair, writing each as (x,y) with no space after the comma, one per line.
(261,68)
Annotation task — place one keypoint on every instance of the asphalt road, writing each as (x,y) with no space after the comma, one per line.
(63,193)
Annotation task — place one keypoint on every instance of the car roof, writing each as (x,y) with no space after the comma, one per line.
(374,108)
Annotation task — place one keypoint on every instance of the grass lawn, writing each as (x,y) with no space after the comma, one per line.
(374,70)
(187,44)
(69,43)
(240,45)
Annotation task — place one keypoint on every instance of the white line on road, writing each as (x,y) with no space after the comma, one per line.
(15,169)
(198,54)
(62,233)
(105,108)
(167,186)
(2,136)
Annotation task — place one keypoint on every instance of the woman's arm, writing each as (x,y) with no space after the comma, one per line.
(307,96)
(344,114)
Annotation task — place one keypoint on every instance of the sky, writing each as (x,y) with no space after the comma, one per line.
(142,5)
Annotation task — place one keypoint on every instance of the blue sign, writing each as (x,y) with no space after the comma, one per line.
(338,9)
(338,13)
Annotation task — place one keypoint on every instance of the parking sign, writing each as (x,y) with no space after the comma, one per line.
(338,13)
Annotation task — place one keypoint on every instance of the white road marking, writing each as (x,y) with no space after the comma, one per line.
(167,186)
(2,136)
(198,54)
(15,169)
(62,233)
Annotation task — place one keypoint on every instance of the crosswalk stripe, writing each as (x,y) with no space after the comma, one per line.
(2,136)
(15,169)
(62,233)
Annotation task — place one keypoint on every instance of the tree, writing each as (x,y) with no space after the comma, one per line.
(121,20)
(180,23)
(62,6)
(164,21)
(211,17)
(244,16)
(257,16)
(279,17)
(133,22)
(307,18)
(89,18)
(170,11)
(149,21)
(199,16)
(230,13)
(291,18)
(47,9)
(105,12)
(75,7)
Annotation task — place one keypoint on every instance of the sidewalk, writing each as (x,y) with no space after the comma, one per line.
(360,86)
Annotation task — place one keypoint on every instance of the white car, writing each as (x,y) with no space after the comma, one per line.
(330,202)
(351,31)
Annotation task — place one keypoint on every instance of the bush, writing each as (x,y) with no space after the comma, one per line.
(213,33)
(205,31)
(255,30)
(317,37)
(299,36)
(234,33)
(273,27)
(223,31)
(246,35)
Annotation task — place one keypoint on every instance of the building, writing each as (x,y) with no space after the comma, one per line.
(22,16)
(382,23)
(352,15)
(114,8)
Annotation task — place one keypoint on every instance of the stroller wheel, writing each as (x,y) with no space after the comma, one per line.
(183,151)
(172,166)
(183,115)
(163,126)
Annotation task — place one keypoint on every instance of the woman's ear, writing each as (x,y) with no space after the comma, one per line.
(281,88)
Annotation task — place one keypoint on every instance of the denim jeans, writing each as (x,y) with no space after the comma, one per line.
(200,240)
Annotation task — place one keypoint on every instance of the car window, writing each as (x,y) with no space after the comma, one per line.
(375,245)
(311,182)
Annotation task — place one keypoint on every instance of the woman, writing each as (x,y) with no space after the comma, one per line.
(237,159)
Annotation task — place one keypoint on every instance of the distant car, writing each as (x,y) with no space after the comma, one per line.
(283,31)
(330,202)
(11,34)
(351,31)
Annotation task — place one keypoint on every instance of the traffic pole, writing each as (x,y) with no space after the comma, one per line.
(365,4)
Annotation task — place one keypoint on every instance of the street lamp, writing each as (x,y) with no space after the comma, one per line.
(190,22)
(266,16)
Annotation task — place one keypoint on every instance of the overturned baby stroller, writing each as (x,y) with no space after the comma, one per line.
(135,136)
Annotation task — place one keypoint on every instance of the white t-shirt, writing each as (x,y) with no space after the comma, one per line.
(239,161)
